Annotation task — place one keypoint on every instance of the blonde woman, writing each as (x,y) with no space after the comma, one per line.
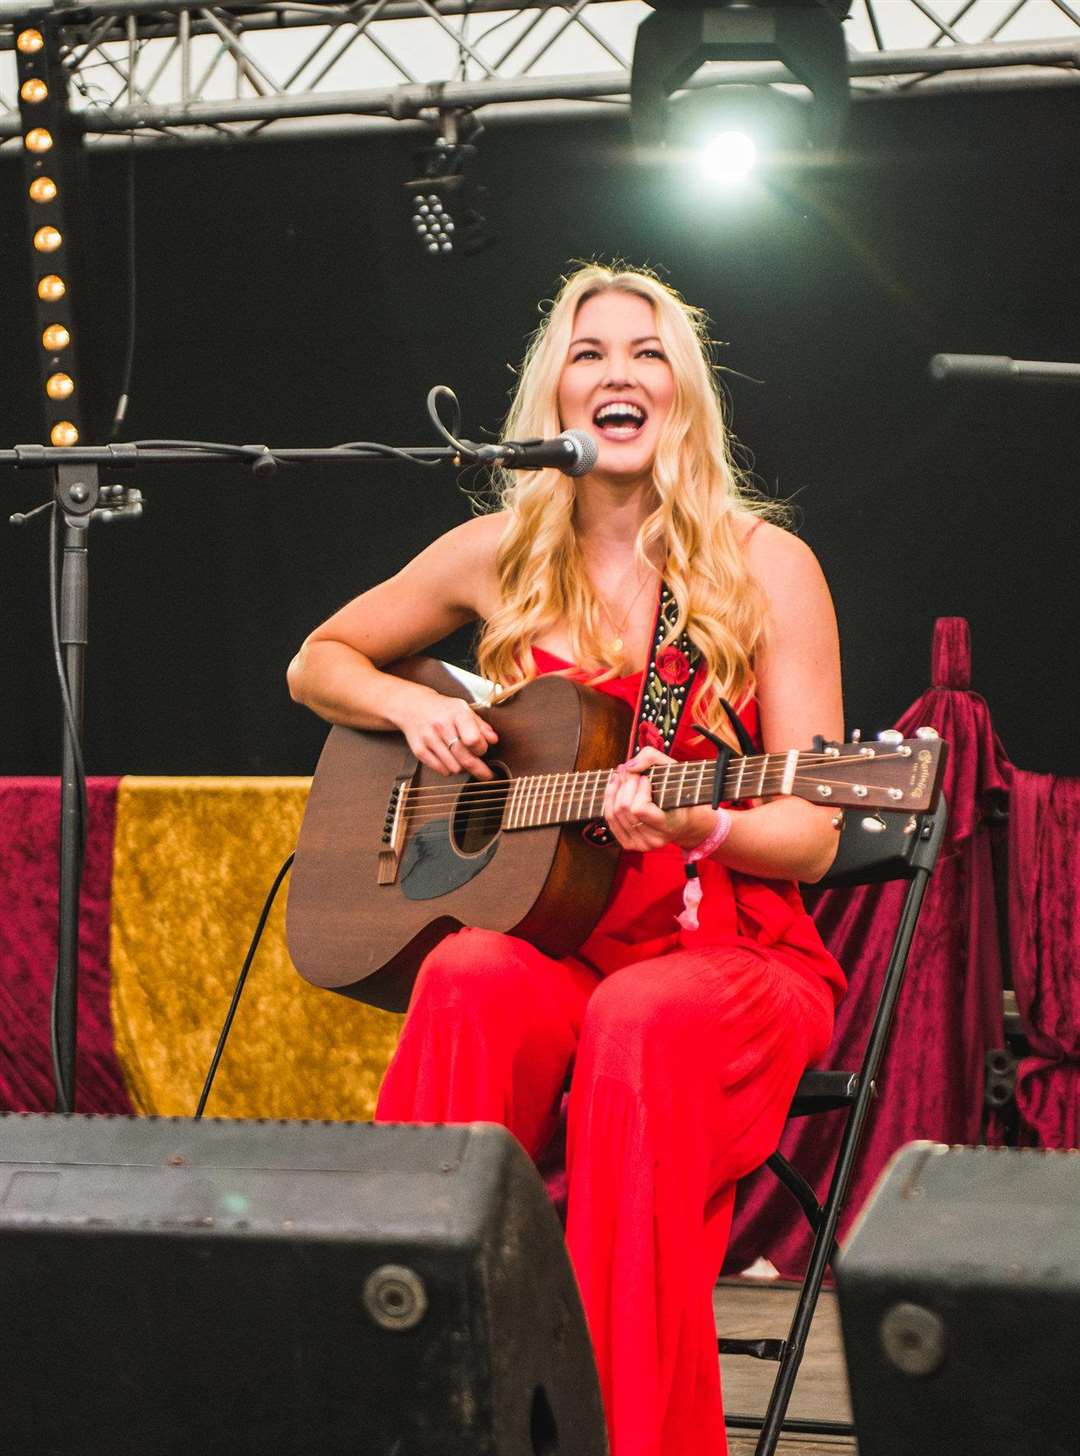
(691,1011)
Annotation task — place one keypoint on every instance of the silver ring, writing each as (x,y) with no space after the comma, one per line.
(454,740)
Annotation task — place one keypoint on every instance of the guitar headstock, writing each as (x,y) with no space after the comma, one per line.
(891,773)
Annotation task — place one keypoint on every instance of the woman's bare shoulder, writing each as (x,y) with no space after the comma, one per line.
(773,552)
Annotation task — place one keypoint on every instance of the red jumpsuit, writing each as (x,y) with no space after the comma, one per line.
(686,1048)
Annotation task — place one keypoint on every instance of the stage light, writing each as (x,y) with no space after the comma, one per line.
(42,189)
(728,157)
(64,433)
(446,204)
(29,41)
(33,90)
(37,139)
(47,239)
(679,38)
(55,337)
(59,386)
(51,288)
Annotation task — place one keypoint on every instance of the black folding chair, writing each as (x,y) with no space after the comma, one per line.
(873,848)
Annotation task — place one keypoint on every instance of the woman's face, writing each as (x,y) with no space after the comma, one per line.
(617,383)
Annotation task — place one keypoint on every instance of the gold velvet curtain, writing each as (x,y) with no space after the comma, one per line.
(193,861)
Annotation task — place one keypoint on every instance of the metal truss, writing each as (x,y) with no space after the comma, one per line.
(162,69)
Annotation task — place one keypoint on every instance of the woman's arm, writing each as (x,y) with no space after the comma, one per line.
(337,673)
(798,696)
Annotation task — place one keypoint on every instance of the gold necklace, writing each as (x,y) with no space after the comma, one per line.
(616,644)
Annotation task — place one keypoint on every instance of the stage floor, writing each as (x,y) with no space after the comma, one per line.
(747,1308)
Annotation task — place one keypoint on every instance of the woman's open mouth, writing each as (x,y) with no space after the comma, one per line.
(620,419)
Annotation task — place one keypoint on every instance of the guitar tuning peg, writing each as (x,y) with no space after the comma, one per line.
(890,735)
(874,824)
(926,733)
(856,735)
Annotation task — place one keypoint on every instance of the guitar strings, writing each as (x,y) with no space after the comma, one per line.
(429,813)
(661,777)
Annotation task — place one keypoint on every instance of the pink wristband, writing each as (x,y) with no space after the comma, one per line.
(716,836)
(692,893)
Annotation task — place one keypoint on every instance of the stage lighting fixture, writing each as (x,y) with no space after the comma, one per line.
(446,204)
(47,239)
(42,189)
(60,386)
(29,42)
(725,133)
(33,90)
(64,433)
(679,38)
(38,139)
(55,338)
(51,288)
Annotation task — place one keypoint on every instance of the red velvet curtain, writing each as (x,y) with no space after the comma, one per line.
(950,1010)
(1044,935)
(29,854)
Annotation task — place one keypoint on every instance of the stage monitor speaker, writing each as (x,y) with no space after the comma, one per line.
(960,1303)
(180,1288)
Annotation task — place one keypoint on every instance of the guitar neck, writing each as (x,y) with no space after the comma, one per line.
(569,798)
(894,773)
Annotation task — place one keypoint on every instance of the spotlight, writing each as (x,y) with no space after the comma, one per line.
(51,288)
(33,90)
(679,38)
(728,157)
(446,203)
(42,189)
(38,139)
(54,338)
(29,42)
(64,433)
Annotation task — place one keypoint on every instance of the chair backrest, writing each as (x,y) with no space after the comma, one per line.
(886,844)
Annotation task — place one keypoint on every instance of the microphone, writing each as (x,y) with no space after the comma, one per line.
(1000,366)
(574,452)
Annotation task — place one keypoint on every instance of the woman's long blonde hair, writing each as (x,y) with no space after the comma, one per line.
(700,499)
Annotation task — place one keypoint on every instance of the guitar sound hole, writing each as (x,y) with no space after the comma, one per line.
(479,813)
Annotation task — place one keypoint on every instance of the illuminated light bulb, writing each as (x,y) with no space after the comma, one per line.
(55,337)
(30,41)
(37,139)
(42,189)
(729,157)
(50,288)
(47,239)
(34,89)
(64,433)
(59,386)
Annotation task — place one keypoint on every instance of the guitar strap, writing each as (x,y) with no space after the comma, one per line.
(666,681)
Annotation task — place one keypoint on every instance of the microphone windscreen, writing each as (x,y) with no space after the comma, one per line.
(588,452)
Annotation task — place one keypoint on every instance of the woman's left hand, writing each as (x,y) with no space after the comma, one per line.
(640,824)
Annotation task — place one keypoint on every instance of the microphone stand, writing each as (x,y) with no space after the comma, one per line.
(77,500)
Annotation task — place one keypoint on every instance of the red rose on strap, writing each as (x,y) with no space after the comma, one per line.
(673,666)
(649,736)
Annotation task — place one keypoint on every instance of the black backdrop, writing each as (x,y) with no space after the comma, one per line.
(282,298)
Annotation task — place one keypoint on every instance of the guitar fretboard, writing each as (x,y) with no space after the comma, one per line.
(569,798)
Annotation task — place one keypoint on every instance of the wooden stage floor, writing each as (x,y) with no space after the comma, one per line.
(763,1308)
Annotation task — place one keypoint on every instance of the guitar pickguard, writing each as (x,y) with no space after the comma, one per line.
(431,866)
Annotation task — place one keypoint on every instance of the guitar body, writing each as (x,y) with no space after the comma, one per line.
(349,933)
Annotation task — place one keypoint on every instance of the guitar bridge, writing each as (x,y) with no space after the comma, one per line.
(393,837)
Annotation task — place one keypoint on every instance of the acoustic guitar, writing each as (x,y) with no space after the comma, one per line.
(392,856)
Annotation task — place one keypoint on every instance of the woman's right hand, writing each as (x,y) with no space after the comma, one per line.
(444,733)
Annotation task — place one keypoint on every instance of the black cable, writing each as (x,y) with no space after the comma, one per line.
(129,357)
(65,692)
(227,1025)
